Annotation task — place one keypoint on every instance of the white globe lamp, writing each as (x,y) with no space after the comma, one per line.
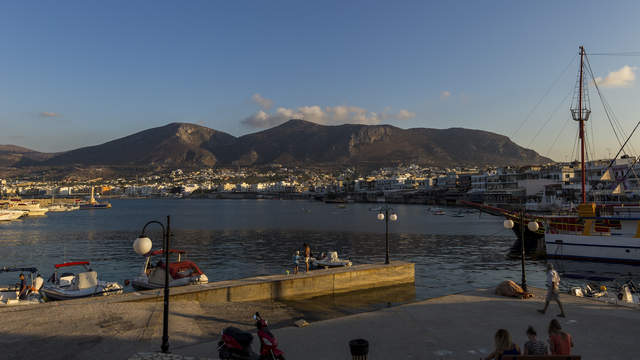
(533,226)
(393,217)
(508,224)
(142,245)
(380,216)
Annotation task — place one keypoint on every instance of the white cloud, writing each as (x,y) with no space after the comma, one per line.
(48,114)
(445,94)
(262,101)
(405,115)
(620,78)
(329,115)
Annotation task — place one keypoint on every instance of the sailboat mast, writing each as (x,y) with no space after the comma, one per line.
(584,194)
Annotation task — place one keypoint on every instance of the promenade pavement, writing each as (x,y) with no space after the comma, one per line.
(461,326)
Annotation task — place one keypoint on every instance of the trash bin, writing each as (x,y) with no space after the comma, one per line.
(359,349)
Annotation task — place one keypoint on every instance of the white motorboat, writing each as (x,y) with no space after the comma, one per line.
(7,215)
(69,285)
(32,207)
(331,261)
(10,294)
(181,272)
(57,208)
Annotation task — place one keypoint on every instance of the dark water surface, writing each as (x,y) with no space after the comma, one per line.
(231,239)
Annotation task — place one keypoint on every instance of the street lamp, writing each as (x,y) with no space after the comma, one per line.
(532,226)
(384,215)
(142,245)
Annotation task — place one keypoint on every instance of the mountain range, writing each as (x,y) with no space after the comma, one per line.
(294,143)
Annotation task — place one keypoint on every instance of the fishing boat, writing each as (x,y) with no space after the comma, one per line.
(8,215)
(10,294)
(181,272)
(85,283)
(93,203)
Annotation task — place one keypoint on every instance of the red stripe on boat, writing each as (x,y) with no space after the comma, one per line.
(73,263)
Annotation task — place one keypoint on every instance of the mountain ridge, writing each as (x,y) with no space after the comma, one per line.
(293,143)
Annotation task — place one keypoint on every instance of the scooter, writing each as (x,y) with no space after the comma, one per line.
(236,344)
(268,342)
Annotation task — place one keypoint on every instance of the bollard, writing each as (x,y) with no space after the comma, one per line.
(359,349)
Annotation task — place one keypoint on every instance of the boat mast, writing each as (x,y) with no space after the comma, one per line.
(580,113)
(581,119)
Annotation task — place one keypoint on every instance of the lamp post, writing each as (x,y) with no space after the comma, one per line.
(384,215)
(142,245)
(532,226)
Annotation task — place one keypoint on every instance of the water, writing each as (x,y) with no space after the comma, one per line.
(231,239)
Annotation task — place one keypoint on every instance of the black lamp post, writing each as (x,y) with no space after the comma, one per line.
(166,233)
(533,227)
(384,215)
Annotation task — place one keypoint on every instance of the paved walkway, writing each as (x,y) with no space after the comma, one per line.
(460,327)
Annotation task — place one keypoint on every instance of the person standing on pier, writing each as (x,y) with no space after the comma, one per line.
(553,287)
(307,256)
(23,288)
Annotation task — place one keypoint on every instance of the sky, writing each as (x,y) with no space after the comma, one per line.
(78,73)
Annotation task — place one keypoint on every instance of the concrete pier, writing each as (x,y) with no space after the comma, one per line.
(291,286)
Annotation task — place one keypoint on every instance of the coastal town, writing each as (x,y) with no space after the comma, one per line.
(547,187)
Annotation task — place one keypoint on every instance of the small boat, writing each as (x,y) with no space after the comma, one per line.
(438,211)
(457,214)
(57,208)
(69,285)
(8,215)
(9,295)
(182,272)
(330,261)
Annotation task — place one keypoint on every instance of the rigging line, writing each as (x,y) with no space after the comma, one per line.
(625,143)
(544,96)
(604,103)
(628,53)
(558,136)
(574,148)
(549,118)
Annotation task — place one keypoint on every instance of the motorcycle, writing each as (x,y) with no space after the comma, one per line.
(268,342)
(236,343)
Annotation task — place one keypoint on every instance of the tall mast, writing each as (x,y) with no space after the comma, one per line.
(580,112)
(581,119)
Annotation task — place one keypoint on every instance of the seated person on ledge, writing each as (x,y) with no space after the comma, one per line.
(504,346)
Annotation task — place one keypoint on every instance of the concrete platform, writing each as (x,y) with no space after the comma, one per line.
(462,327)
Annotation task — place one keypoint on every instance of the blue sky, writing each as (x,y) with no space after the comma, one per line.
(79,73)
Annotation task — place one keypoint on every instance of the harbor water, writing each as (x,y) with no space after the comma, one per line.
(231,239)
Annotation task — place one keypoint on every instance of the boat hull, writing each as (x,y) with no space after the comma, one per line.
(606,248)
(142,282)
(103,289)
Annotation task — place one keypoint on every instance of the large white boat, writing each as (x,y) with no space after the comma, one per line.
(31,207)
(597,232)
(7,215)
(69,285)
(181,272)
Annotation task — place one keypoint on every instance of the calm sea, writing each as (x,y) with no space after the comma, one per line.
(231,239)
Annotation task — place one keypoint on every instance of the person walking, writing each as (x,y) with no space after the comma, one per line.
(553,288)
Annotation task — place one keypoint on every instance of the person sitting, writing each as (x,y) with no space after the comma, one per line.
(504,345)
(560,342)
(534,346)
(24,289)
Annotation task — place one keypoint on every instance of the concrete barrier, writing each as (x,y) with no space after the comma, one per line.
(283,287)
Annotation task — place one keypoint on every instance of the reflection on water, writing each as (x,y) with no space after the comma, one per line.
(234,238)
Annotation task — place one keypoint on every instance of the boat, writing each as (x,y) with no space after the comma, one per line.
(330,261)
(438,211)
(181,272)
(457,214)
(85,283)
(8,215)
(31,207)
(93,203)
(9,294)
(57,208)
